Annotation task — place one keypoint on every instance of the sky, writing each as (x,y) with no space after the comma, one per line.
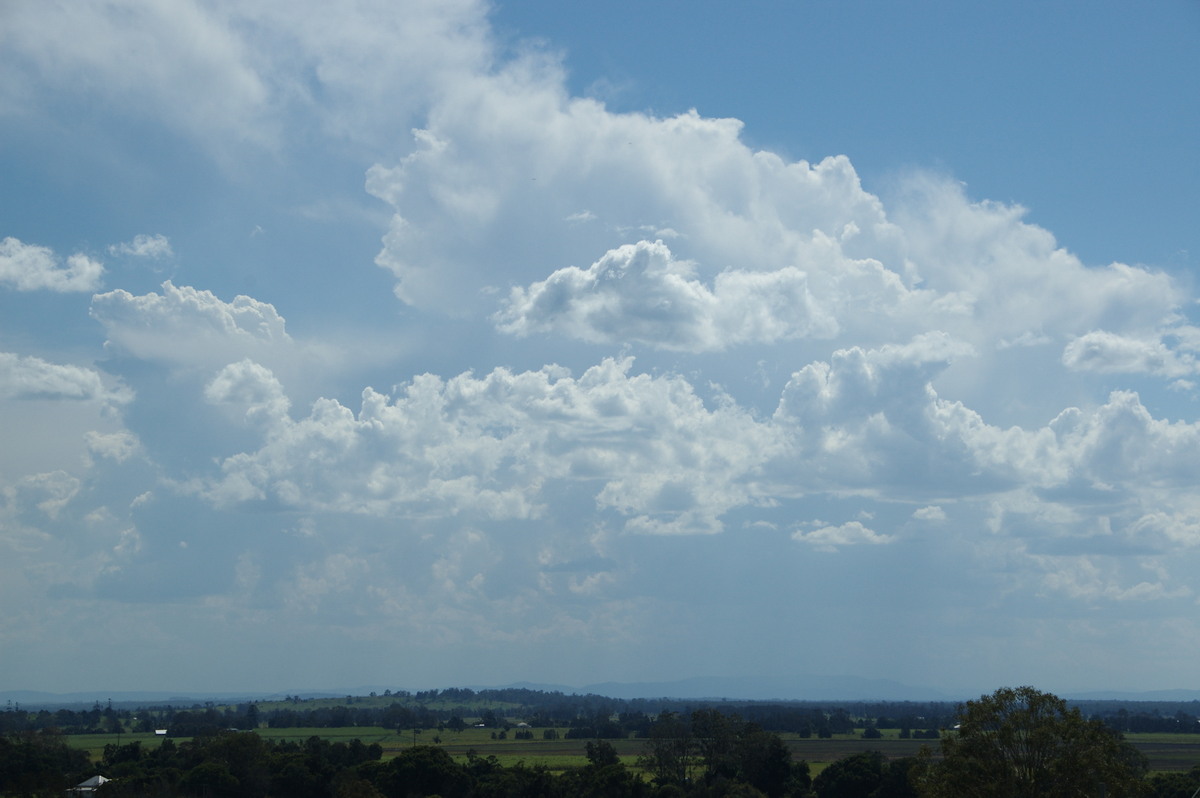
(428,344)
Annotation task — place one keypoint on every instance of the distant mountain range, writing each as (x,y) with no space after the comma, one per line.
(799,688)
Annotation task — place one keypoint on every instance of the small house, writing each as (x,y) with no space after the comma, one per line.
(88,786)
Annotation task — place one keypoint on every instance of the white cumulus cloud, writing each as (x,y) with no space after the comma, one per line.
(488,445)
(116,446)
(34,378)
(639,292)
(189,326)
(203,79)
(144,246)
(253,388)
(28,267)
(1110,353)
(1095,579)
(229,74)
(851,533)
(765,251)
(930,513)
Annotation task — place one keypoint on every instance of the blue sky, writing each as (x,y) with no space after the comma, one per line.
(441,343)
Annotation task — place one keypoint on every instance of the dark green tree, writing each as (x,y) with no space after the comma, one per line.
(716,738)
(855,776)
(1175,785)
(600,753)
(294,777)
(668,753)
(604,777)
(1023,743)
(765,762)
(209,780)
(39,763)
(897,779)
(426,770)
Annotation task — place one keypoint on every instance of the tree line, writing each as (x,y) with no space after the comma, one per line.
(707,754)
(604,717)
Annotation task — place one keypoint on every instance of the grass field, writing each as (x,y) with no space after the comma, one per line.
(1166,752)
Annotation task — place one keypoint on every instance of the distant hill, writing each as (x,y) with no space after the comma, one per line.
(798,688)
(1126,695)
(34,699)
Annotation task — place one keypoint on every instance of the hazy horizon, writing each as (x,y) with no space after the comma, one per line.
(464,342)
(809,690)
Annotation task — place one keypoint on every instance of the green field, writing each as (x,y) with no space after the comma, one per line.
(555,755)
(1166,752)
(94,743)
(368,734)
